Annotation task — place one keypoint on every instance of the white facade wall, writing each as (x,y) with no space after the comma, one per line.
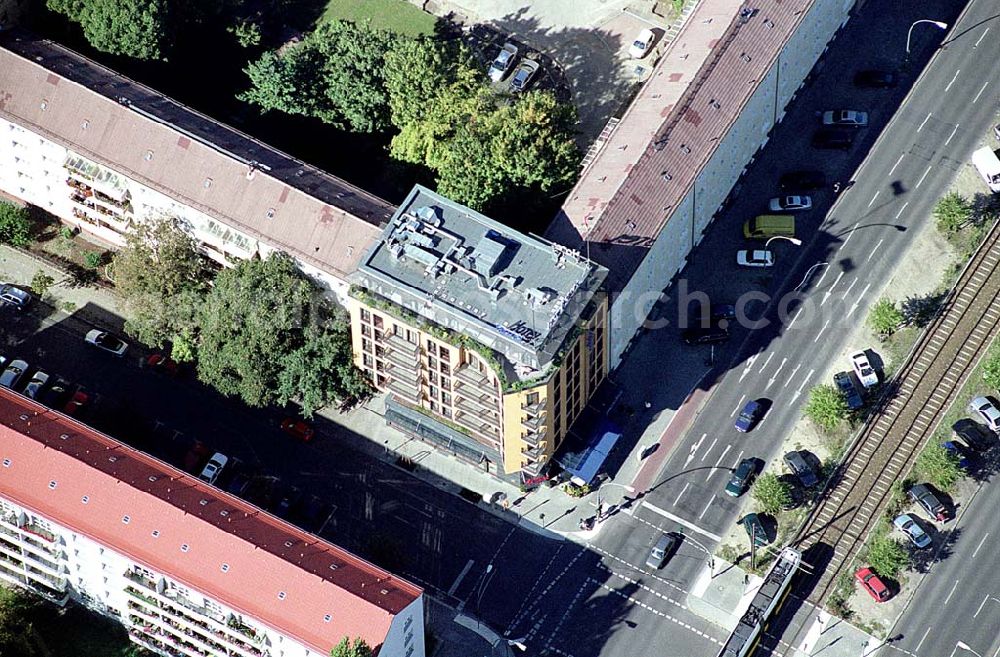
(749,133)
(406,634)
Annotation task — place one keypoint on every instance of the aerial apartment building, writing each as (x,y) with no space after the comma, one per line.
(490,341)
(102,152)
(189,570)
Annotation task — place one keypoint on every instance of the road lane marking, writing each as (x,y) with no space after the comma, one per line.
(874,197)
(874,250)
(857,301)
(738,407)
(694,449)
(461,576)
(901,209)
(981,606)
(681,521)
(926,632)
(816,339)
(952,80)
(849,288)
(770,382)
(923,122)
(764,367)
(792,375)
(923,176)
(795,316)
(976,99)
(805,381)
(681,494)
(643,605)
(709,450)
(715,468)
(980,545)
(896,164)
(707,507)
(950,593)
(953,131)
(981,37)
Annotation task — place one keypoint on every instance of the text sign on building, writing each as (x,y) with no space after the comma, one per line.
(520,331)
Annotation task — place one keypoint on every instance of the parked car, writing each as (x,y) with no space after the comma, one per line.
(961,452)
(749,416)
(863,369)
(800,467)
(13,296)
(987,410)
(875,79)
(503,62)
(163,364)
(76,402)
(661,551)
(755,529)
(973,434)
(298,429)
(851,118)
(106,341)
(12,375)
(832,138)
(871,583)
(925,496)
(195,456)
(909,526)
(845,384)
(790,203)
(796,180)
(213,468)
(287,502)
(742,477)
(239,483)
(56,395)
(314,514)
(755,258)
(523,76)
(37,383)
(710,335)
(642,44)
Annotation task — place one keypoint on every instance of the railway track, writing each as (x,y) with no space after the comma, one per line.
(907,415)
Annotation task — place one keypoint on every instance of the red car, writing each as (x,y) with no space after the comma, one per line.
(297,429)
(870,582)
(162,363)
(195,457)
(77,401)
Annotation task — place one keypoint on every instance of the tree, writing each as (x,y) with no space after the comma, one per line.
(15,622)
(162,279)
(41,282)
(991,369)
(772,493)
(15,224)
(246,31)
(134,28)
(289,82)
(939,466)
(952,212)
(885,317)
(347,648)
(887,556)
(826,407)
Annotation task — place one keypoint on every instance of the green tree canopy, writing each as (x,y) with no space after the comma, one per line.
(952,212)
(826,407)
(348,648)
(885,317)
(134,28)
(15,224)
(991,368)
(162,279)
(939,466)
(772,493)
(887,556)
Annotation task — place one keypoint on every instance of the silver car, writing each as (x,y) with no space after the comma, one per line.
(12,375)
(987,411)
(38,382)
(909,526)
(523,76)
(503,62)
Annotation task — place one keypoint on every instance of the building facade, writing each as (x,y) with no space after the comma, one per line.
(188,569)
(101,152)
(490,342)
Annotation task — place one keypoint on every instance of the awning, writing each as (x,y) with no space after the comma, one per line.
(584,464)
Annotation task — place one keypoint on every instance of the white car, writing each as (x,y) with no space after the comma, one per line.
(909,526)
(790,203)
(107,342)
(845,117)
(503,62)
(214,467)
(986,410)
(642,44)
(758,258)
(863,368)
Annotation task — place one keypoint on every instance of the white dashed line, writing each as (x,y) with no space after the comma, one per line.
(738,407)
(953,131)
(901,209)
(980,545)
(874,250)
(816,339)
(645,606)
(919,182)
(976,99)
(764,366)
(923,122)
(926,632)
(951,593)
(874,197)
(681,494)
(981,37)
(896,164)
(709,450)
(952,80)
(715,468)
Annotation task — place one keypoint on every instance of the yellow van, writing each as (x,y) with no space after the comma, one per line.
(766,226)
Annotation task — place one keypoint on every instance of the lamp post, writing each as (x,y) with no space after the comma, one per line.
(965,646)
(809,273)
(793,240)
(629,489)
(711,557)
(938,24)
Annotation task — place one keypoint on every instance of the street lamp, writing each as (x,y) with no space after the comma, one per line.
(793,240)
(965,646)
(938,24)
(629,489)
(809,273)
(711,557)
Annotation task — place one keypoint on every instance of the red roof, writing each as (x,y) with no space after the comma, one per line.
(630,190)
(54,462)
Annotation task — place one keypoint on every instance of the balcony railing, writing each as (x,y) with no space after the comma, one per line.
(533,422)
(533,438)
(533,409)
(40,532)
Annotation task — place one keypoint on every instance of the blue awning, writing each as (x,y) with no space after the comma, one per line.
(584,464)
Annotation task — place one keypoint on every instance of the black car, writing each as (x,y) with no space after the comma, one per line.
(832,138)
(800,467)
(847,388)
(755,529)
(875,79)
(742,477)
(973,434)
(711,335)
(796,180)
(56,394)
(926,497)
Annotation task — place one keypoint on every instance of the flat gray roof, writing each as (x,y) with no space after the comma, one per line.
(517,294)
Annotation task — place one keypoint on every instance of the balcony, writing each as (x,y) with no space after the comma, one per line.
(485,403)
(40,532)
(476,380)
(533,453)
(488,415)
(406,371)
(475,424)
(533,468)
(533,409)
(397,341)
(402,359)
(533,438)
(404,389)
(533,423)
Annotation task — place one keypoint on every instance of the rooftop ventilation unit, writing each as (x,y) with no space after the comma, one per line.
(487,256)
(430,215)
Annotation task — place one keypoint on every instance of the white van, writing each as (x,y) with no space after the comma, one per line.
(986,162)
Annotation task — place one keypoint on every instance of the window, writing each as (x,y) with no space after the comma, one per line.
(445,398)
(281,595)
(431,347)
(411,336)
(6,463)
(156,533)
(445,368)
(446,383)
(378,335)
(432,363)
(85,499)
(433,377)
(52,485)
(185,547)
(327,618)
(377,319)
(434,407)
(445,411)
(366,316)
(366,345)
(225,567)
(126,520)
(444,354)
(434,392)
(368,360)
(366,330)
(531,399)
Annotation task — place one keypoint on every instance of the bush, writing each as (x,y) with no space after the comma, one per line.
(885,318)
(92,260)
(826,407)
(576,491)
(67,232)
(772,493)
(952,213)
(939,466)
(991,369)
(887,556)
(15,224)
(41,282)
